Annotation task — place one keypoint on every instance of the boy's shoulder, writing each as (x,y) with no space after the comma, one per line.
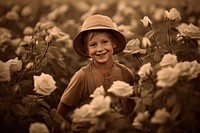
(122,66)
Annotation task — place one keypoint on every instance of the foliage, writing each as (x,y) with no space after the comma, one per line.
(36,40)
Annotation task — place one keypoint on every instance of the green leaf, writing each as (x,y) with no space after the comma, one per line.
(150,33)
(158,56)
(42,111)
(56,117)
(175,111)
(147,100)
(32,108)
(19,110)
(140,107)
(45,104)
(171,100)
(26,100)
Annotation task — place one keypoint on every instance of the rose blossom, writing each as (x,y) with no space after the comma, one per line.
(100,105)
(146,42)
(133,47)
(181,27)
(160,116)
(145,71)
(121,89)
(146,21)
(38,127)
(14,65)
(194,70)
(167,77)
(190,69)
(82,114)
(168,60)
(98,92)
(173,14)
(44,84)
(192,31)
(141,116)
(4,72)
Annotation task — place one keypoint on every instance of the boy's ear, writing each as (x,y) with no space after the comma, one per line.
(114,43)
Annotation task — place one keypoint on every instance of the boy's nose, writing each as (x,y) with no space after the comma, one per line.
(99,48)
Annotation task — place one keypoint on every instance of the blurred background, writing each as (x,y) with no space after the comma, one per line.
(68,15)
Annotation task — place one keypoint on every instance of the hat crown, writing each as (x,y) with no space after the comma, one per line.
(97,21)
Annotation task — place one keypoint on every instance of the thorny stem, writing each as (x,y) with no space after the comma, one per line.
(45,52)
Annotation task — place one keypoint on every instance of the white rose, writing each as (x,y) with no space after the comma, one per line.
(141,117)
(181,27)
(192,31)
(190,69)
(100,105)
(146,42)
(14,65)
(98,92)
(173,14)
(160,116)
(4,72)
(121,89)
(194,70)
(44,84)
(168,60)
(146,21)
(38,127)
(145,71)
(82,114)
(133,47)
(167,77)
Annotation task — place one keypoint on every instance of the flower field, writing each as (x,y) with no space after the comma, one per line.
(37,61)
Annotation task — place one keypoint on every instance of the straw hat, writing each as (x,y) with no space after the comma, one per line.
(97,22)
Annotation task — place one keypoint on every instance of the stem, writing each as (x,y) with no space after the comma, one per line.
(45,52)
(138,58)
(36,98)
(154,38)
(168,32)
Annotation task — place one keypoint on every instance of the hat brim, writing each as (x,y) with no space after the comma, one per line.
(79,47)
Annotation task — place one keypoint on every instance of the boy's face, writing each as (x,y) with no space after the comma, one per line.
(100,46)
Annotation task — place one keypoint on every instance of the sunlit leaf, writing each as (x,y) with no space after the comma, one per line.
(150,33)
(45,104)
(42,111)
(175,111)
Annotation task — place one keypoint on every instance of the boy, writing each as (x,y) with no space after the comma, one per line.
(98,40)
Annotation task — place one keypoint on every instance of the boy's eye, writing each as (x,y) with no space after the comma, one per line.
(92,44)
(105,41)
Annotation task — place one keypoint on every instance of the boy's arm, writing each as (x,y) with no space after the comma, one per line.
(64,109)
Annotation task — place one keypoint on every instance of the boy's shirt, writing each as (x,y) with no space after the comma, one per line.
(88,78)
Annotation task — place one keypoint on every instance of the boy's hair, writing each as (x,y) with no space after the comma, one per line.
(92,32)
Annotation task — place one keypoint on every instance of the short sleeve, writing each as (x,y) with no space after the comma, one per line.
(73,93)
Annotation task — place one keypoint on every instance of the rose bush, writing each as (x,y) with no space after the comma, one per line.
(36,39)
